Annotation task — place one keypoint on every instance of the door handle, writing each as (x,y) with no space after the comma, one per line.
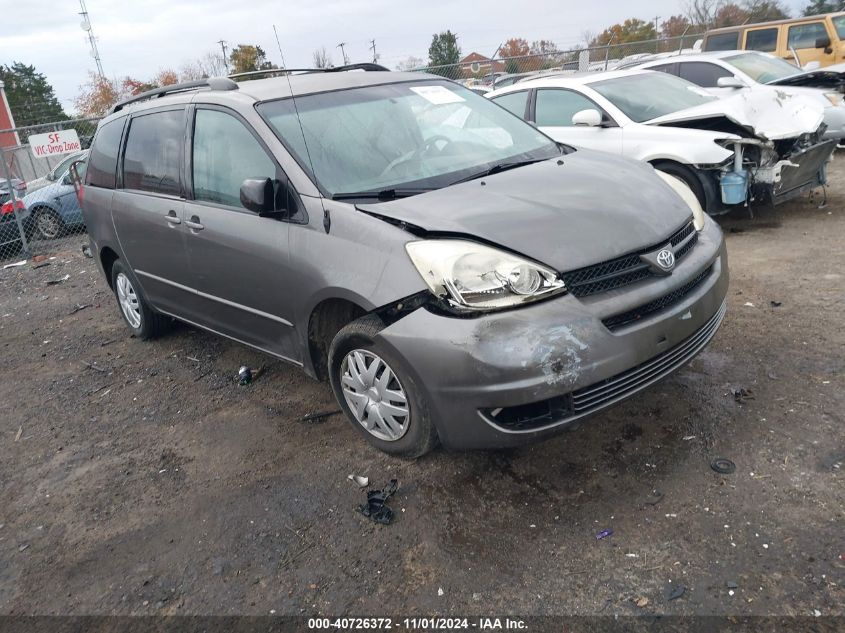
(172,219)
(194,223)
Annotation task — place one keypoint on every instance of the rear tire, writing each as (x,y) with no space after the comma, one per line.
(390,410)
(687,175)
(136,312)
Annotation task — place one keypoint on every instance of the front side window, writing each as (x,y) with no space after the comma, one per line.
(514,102)
(664,68)
(762,68)
(703,74)
(225,154)
(765,40)
(411,135)
(722,42)
(839,25)
(805,35)
(103,157)
(153,155)
(557,107)
(646,96)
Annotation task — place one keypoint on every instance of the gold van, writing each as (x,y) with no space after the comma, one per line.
(815,38)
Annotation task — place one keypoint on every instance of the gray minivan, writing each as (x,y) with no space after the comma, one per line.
(455,274)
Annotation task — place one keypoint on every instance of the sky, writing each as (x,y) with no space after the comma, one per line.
(137,38)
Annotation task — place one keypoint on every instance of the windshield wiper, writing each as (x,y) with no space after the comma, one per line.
(498,168)
(383,196)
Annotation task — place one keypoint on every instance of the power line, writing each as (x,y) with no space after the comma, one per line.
(86,26)
(223,48)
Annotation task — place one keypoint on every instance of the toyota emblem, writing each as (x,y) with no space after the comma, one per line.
(666,259)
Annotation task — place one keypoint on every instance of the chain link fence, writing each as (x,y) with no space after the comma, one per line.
(478,70)
(39,209)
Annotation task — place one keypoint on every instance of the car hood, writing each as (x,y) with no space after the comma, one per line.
(828,77)
(592,208)
(768,113)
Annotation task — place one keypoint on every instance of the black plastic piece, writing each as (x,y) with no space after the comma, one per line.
(376,508)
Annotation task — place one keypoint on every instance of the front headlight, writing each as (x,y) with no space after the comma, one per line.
(683,190)
(472,276)
(835,98)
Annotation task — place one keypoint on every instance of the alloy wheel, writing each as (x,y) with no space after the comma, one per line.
(128,299)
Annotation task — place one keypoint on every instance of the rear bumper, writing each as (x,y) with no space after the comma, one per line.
(558,356)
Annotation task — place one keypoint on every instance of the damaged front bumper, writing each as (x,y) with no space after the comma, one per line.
(508,378)
(806,170)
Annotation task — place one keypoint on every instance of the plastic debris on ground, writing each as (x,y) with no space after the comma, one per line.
(15,265)
(723,466)
(673,592)
(86,250)
(248,375)
(603,534)
(654,498)
(53,282)
(376,507)
(358,479)
(319,415)
(776,304)
(741,394)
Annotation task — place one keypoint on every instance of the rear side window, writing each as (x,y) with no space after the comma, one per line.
(805,35)
(664,68)
(703,74)
(103,159)
(514,102)
(153,155)
(765,40)
(722,42)
(557,107)
(225,154)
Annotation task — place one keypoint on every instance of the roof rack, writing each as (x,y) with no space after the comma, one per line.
(213,83)
(365,66)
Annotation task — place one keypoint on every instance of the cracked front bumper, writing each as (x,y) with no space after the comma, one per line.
(468,369)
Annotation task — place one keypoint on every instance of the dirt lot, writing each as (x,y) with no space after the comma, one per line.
(139,478)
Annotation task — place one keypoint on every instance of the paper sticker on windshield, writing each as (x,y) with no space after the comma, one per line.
(437,94)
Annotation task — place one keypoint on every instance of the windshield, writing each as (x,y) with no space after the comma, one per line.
(762,68)
(650,95)
(839,25)
(416,135)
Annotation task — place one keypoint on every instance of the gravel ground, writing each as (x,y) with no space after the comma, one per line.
(139,478)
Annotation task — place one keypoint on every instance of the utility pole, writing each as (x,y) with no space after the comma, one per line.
(223,48)
(656,34)
(86,26)
(373,48)
(343,52)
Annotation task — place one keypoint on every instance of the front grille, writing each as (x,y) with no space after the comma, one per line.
(560,409)
(626,269)
(626,318)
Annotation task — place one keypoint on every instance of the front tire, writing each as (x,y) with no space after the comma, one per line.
(144,323)
(48,224)
(687,175)
(376,392)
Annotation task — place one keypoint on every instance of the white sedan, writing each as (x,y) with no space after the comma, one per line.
(728,152)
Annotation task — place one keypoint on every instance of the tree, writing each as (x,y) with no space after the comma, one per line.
(817,7)
(675,26)
(443,52)
(410,63)
(247,57)
(322,59)
(631,30)
(97,95)
(209,65)
(31,98)
(729,15)
(764,10)
(513,51)
(701,13)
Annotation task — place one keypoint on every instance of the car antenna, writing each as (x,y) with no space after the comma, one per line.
(327,220)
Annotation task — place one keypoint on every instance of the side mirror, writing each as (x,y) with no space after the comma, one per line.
(264,196)
(729,82)
(588,118)
(823,42)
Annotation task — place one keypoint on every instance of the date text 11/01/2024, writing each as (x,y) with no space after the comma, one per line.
(420,624)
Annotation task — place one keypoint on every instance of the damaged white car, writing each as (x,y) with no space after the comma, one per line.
(748,148)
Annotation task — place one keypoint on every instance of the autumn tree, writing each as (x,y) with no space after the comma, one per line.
(729,15)
(97,95)
(764,10)
(631,30)
(816,7)
(675,26)
(444,52)
(511,51)
(31,97)
(245,58)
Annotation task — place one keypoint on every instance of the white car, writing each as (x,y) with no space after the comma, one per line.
(723,73)
(729,152)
